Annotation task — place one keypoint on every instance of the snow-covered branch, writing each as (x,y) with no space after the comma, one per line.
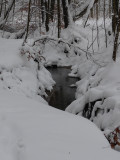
(84,9)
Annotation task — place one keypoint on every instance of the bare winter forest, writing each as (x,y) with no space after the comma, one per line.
(59,79)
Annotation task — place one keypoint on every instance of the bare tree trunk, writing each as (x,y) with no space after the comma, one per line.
(116,36)
(39,17)
(115,4)
(42,11)
(104,15)
(59,22)
(13,12)
(110,9)
(65,13)
(99,6)
(52,9)
(97,11)
(28,22)
(92,15)
(47,16)
(97,16)
(1,7)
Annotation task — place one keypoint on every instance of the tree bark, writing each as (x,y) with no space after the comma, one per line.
(42,11)
(59,22)
(65,13)
(47,16)
(116,36)
(52,9)
(28,22)
(115,4)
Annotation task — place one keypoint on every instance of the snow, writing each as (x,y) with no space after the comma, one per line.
(100,81)
(29,128)
(85,17)
(21,75)
(13,58)
(61,54)
(104,87)
(33,130)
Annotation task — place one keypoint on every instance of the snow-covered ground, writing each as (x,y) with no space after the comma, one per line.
(20,75)
(30,130)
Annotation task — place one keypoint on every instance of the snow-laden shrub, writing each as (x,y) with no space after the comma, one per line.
(21,74)
(52,50)
(27,81)
(114,138)
(98,96)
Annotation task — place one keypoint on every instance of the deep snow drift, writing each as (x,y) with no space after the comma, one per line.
(30,130)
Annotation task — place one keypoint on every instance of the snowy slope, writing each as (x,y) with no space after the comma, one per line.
(9,52)
(20,75)
(30,130)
